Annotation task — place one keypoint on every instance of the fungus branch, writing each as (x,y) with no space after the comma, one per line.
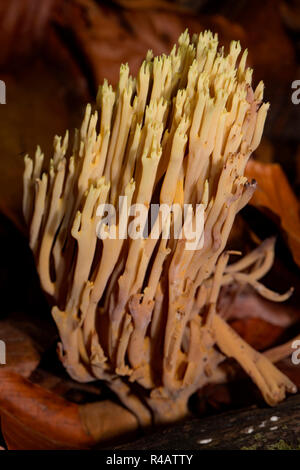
(143,309)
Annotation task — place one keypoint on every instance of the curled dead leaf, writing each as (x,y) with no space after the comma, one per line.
(275,193)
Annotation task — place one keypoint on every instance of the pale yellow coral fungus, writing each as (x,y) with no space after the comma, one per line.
(144,311)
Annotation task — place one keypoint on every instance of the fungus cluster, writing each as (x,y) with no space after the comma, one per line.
(142,314)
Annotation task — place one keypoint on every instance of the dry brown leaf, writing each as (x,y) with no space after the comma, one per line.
(22,356)
(257,332)
(107,36)
(275,193)
(44,97)
(168,5)
(22,27)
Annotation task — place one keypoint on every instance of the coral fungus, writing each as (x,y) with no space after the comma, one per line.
(142,314)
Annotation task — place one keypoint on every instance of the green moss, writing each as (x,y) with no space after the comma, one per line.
(282,445)
(253,447)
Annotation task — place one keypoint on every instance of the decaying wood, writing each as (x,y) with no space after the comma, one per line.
(250,429)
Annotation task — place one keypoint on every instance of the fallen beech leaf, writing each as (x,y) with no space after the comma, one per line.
(291,370)
(37,419)
(275,193)
(22,27)
(290,13)
(257,332)
(26,339)
(248,304)
(107,36)
(169,5)
(43,83)
(59,383)
(22,355)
